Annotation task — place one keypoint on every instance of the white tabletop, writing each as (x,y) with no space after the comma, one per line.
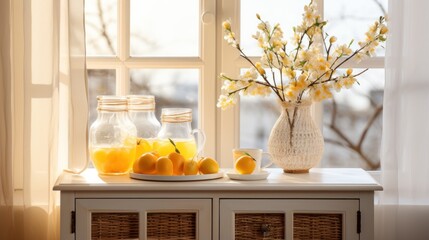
(319,179)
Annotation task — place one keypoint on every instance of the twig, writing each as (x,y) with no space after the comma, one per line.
(103,29)
(357,148)
(374,116)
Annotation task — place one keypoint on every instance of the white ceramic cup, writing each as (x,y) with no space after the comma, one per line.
(255,153)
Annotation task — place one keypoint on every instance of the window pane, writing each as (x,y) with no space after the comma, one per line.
(354,110)
(257,117)
(351,19)
(164,28)
(100,82)
(286,12)
(101,25)
(171,88)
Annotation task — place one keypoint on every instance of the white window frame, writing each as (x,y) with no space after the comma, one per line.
(222,128)
(229,62)
(205,63)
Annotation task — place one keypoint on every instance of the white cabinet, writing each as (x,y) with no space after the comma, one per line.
(323,204)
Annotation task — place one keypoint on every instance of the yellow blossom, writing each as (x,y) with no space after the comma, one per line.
(320,93)
(286,61)
(348,82)
(259,90)
(383,29)
(225,102)
(289,72)
(322,64)
(259,68)
(227,25)
(343,50)
(338,85)
(349,72)
(332,39)
(250,74)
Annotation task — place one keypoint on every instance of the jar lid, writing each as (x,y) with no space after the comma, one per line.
(112,103)
(141,102)
(176,115)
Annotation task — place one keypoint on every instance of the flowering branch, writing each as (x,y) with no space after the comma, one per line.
(306,72)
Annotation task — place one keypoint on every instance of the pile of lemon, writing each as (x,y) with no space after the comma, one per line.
(173,165)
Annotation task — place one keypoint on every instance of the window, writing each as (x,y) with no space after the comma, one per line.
(134,47)
(357,111)
(144,47)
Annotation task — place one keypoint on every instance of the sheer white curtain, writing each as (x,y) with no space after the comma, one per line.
(43,110)
(404,209)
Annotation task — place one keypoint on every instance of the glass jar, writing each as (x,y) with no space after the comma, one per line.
(176,131)
(141,109)
(112,137)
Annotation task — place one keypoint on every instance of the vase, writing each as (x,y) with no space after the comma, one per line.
(296,142)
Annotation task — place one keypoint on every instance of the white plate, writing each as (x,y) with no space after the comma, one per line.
(248,177)
(182,178)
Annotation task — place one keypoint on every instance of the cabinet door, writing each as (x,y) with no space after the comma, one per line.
(143,218)
(288,219)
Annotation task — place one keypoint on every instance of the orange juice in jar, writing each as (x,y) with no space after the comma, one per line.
(176,132)
(113,160)
(186,147)
(141,109)
(112,137)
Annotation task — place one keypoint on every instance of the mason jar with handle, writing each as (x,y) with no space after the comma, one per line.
(141,109)
(112,137)
(176,132)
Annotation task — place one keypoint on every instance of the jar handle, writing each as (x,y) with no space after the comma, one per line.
(201,141)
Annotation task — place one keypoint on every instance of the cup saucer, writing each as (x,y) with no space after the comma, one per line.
(248,177)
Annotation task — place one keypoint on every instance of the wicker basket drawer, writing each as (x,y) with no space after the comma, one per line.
(114,225)
(259,226)
(317,226)
(181,226)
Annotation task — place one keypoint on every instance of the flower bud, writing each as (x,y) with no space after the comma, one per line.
(227,25)
(383,29)
(349,71)
(258,17)
(332,39)
(259,68)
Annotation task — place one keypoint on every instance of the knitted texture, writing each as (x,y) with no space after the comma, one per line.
(297,148)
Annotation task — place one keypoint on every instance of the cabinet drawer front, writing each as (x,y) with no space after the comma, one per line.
(318,226)
(105,225)
(259,226)
(143,218)
(301,219)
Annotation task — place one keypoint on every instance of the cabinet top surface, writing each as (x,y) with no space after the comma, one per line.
(319,179)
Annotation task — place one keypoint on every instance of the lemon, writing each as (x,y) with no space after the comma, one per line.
(164,166)
(178,162)
(208,166)
(190,167)
(156,154)
(145,164)
(245,165)
(142,147)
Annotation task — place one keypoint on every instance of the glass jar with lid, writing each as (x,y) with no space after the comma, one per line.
(176,131)
(112,137)
(141,109)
